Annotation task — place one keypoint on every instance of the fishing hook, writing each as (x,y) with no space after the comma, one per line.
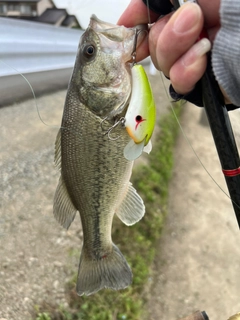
(109,131)
(134,52)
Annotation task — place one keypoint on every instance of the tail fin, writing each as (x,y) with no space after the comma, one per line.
(111,272)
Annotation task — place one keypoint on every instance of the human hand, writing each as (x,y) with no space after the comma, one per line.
(173,40)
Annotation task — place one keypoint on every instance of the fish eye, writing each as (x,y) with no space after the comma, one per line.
(89,51)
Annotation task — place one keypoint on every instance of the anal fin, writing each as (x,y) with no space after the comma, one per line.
(63,209)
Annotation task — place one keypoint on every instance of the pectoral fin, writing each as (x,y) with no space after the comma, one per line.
(63,209)
(132,208)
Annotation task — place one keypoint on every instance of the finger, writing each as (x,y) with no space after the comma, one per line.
(167,44)
(212,32)
(137,13)
(142,51)
(210,11)
(154,34)
(189,69)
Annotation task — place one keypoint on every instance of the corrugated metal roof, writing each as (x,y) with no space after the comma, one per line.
(52,15)
(69,20)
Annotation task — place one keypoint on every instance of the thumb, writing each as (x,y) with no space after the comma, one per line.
(169,41)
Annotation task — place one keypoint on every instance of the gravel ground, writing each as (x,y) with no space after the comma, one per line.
(33,247)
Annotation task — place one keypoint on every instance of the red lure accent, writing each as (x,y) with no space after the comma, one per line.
(139,119)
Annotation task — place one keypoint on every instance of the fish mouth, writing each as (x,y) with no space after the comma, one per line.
(130,37)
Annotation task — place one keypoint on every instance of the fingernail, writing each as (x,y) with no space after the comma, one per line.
(187,17)
(199,49)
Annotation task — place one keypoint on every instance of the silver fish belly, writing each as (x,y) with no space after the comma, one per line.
(94,173)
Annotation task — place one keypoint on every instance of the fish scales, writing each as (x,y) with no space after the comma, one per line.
(99,157)
(94,172)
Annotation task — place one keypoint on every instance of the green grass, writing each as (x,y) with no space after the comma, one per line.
(137,243)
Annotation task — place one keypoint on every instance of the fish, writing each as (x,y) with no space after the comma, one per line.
(95,175)
(140,117)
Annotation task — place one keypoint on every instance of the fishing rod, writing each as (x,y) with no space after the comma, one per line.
(221,129)
(198,315)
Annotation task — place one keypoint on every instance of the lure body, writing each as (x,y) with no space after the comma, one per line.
(141,114)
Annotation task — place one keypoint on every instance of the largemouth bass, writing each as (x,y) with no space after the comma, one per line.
(94,172)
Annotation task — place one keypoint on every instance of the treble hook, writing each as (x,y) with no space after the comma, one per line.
(134,52)
(108,132)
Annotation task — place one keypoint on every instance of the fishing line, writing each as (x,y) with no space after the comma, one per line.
(171,105)
(37,107)
(33,94)
(191,147)
(193,150)
(184,133)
